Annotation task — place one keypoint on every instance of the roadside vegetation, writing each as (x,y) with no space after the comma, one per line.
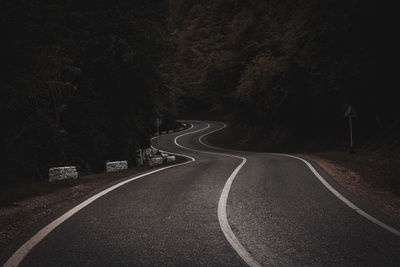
(283,73)
(84,82)
(80,83)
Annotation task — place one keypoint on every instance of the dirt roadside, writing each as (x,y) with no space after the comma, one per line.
(385,201)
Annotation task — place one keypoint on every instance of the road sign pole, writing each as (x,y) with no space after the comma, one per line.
(350,113)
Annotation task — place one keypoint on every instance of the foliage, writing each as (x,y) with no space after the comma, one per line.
(291,65)
(80,82)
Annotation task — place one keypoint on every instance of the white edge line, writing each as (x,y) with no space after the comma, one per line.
(332,190)
(343,198)
(17,257)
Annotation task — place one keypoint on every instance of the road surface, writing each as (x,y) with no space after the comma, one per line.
(221,208)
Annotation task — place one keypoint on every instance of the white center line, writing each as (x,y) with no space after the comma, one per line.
(222,215)
(330,188)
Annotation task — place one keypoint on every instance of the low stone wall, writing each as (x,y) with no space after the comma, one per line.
(116,166)
(62,173)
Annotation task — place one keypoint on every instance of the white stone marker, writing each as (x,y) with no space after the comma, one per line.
(153,161)
(170,159)
(114,166)
(62,173)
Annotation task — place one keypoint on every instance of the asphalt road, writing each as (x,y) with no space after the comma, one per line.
(278,213)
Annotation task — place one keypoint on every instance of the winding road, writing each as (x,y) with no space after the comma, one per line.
(220,208)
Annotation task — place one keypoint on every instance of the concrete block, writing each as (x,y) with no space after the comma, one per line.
(153,161)
(170,159)
(164,132)
(62,173)
(114,166)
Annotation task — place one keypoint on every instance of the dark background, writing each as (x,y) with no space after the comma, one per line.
(82,82)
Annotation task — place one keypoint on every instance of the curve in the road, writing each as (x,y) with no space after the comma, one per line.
(21,253)
(222,215)
(327,185)
(17,257)
(343,198)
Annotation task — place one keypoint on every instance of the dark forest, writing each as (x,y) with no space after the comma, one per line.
(83,82)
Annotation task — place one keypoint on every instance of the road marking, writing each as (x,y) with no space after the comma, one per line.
(222,215)
(343,198)
(330,188)
(202,129)
(21,253)
(175,141)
